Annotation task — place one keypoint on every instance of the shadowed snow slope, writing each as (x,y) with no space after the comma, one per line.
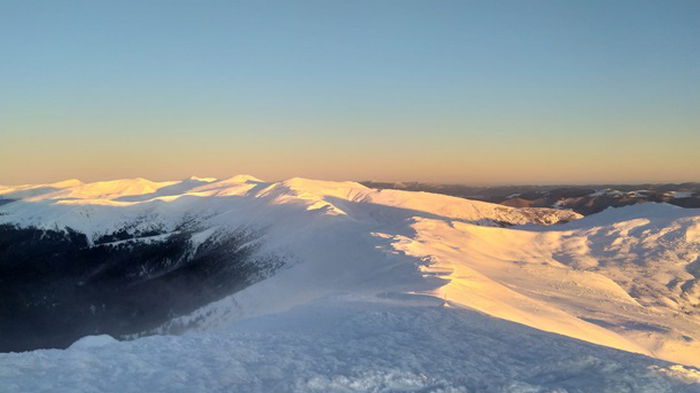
(624,278)
(345,345)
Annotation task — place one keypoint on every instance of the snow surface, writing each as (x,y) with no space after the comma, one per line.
(349,345)
(394,291)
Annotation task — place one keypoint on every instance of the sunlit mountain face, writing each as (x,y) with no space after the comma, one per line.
(133,258)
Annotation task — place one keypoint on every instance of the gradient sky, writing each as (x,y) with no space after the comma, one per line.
(446,91)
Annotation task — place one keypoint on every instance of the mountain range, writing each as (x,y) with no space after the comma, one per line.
(584,199)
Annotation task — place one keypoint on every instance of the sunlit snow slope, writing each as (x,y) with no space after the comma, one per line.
(625,278)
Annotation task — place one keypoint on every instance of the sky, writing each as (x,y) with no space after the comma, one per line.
(475,92)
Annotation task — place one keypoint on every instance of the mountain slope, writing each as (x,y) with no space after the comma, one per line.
(635,277)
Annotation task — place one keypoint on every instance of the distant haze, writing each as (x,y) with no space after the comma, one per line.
(475,92)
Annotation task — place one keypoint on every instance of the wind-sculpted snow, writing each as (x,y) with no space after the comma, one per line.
(346,345)
(624,278)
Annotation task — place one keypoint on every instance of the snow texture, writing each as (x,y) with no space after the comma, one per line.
(349,345)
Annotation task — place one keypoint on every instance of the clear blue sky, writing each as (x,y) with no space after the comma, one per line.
(459,91)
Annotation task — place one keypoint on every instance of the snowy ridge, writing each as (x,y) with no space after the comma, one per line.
(624,278)
(97,208)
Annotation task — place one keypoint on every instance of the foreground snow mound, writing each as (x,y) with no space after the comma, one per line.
(93,342)
(345,346)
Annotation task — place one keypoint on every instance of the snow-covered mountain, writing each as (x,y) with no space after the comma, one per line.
(584,199)
(250,268)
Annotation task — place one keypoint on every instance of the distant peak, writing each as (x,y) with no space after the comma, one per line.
(301,181)
(202,179)
(67,183)
(243,179)
(126,180)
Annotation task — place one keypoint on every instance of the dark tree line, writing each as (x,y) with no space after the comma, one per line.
(55,287)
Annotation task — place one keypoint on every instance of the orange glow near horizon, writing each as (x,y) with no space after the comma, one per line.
(420,158)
